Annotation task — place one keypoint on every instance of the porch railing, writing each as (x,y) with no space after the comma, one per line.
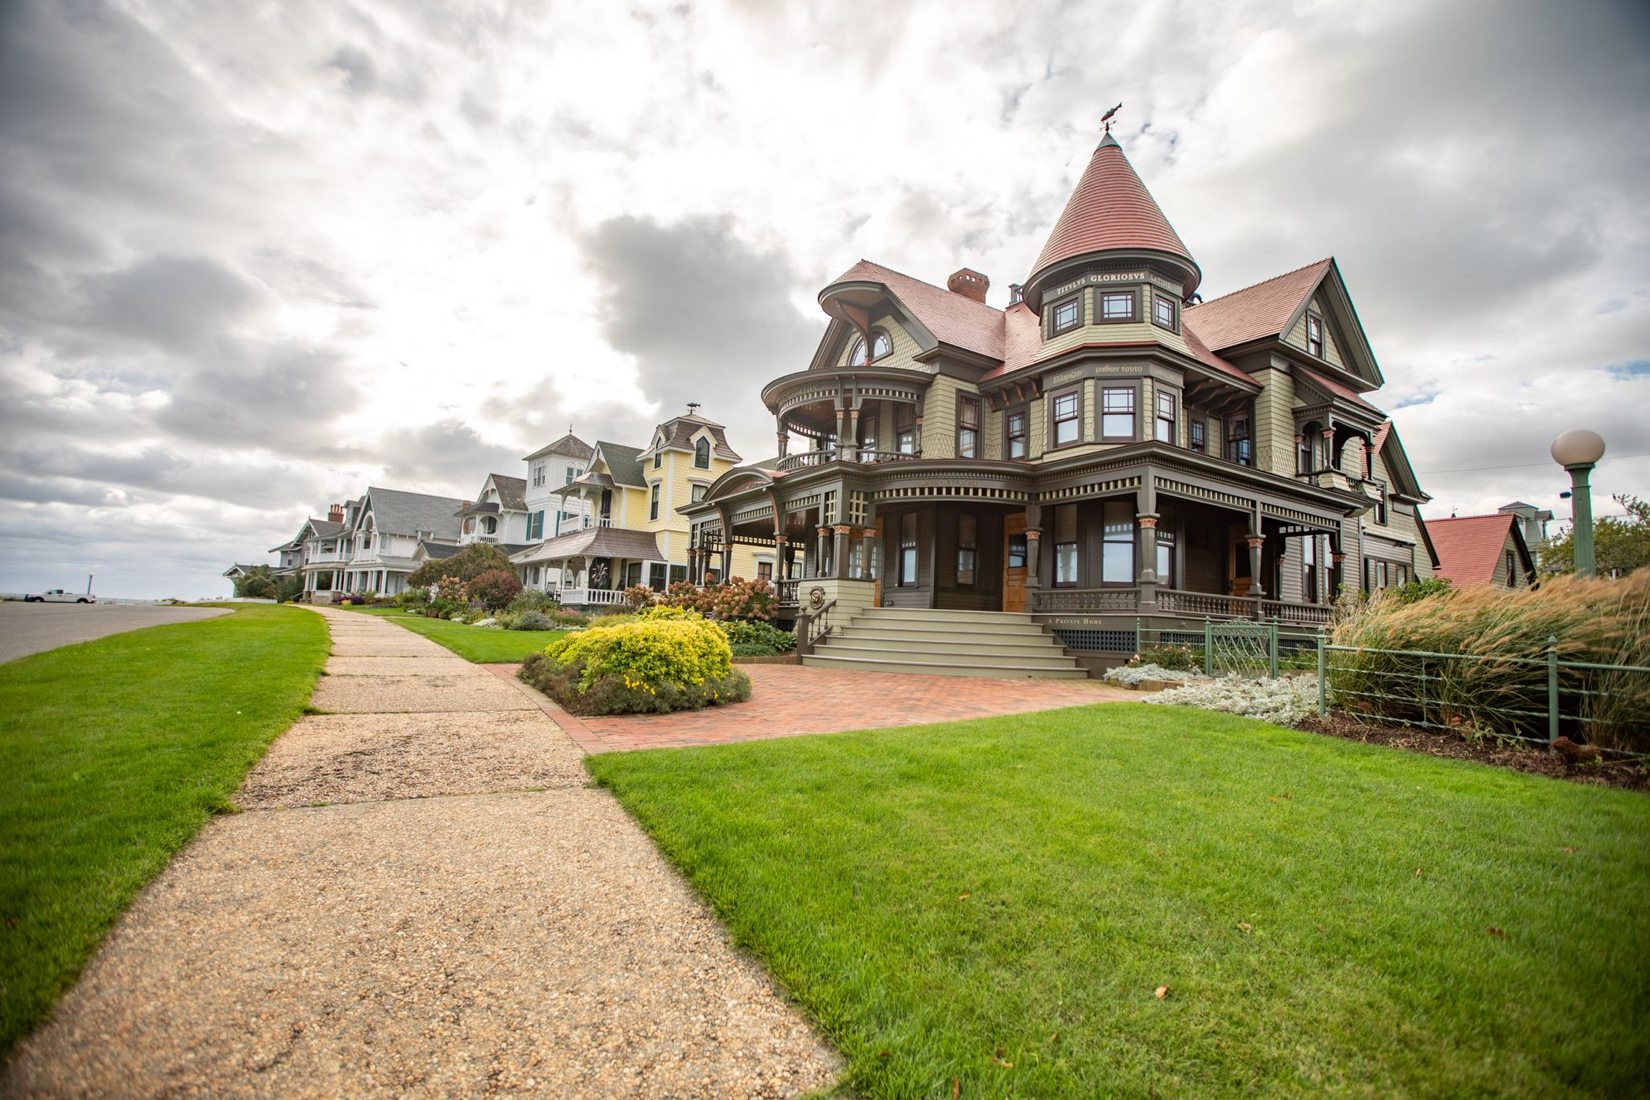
(1175,602)
(585,597)
(1085,599)
(1307,614)
(786,592)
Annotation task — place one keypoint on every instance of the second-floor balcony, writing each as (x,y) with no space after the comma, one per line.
(803,460)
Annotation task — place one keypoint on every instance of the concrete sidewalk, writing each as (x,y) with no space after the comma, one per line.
(423,898)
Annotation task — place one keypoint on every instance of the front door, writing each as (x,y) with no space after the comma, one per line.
(1014,562)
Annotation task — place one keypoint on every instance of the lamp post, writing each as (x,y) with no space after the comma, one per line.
(1578,451)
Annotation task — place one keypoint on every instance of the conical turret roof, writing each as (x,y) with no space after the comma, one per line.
(1112,210)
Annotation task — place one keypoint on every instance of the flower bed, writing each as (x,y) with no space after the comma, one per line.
(1132,675)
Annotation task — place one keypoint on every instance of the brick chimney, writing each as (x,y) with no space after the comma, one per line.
(335,514)
(969,283)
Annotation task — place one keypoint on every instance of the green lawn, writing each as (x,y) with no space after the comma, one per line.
(114,753)
(998,901)
(483,645)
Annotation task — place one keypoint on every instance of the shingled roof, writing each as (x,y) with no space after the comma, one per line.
(1256,312)
(1469,547)
(624,463)
(1110,209)
(397,512)
(953,318)
(568,444)
(679,432)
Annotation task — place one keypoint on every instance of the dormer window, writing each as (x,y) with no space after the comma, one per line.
(881,345)
(701,454)
(1066,315)
(1314,335)
(1163,311)
(658,458)
(1117,306)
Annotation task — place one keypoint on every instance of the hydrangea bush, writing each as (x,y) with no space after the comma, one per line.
(1285,701)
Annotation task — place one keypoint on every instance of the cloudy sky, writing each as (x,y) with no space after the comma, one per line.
(257,256)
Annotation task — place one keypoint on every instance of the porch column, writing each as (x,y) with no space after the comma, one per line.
(1146,546)
(822,541)
(784,439)
(727,560)
(1328,458)
(1034,547)
(1256,588)
(1337,564)
(869,542)
(841,427)
(839,551)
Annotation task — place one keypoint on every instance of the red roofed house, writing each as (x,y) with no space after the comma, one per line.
(974,486)
(1482,550)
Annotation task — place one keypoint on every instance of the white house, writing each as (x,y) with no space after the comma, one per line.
(499,515)
(549,468)
(384,529)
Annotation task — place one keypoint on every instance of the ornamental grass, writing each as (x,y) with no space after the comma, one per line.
(1500,689)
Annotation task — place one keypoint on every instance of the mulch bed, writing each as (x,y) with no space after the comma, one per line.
(1519,756)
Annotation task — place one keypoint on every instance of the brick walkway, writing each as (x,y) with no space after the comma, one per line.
(791,700)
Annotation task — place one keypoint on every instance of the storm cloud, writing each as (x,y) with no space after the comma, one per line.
(255,258)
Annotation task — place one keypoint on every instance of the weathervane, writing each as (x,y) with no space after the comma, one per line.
(1105,119)
(693,408)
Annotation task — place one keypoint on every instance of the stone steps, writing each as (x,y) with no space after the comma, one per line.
(945,643)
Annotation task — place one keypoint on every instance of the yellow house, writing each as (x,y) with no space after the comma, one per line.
(631,530)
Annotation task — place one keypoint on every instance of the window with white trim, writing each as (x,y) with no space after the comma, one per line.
(1068,418)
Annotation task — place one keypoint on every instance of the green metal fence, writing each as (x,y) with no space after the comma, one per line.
(1525,698)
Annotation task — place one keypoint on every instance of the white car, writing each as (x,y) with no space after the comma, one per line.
(57,595)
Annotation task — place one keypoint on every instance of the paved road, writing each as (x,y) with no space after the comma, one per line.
(27,628)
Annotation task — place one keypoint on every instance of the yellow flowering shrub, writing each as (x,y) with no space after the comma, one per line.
(651,665)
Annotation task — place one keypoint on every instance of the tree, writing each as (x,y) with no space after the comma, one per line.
(468,564)
(1621,544)
(256,584)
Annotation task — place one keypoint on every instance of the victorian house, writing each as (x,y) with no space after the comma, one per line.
(1106,453)
(619,520)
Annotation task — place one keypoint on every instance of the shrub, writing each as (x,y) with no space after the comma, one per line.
(1597,621)
(469,563)
(531,599)
(750,639)
(1185,657)
(257,584)
(1284,701)
(531,620)
(685,594)
(567,616)
(742,599)
(413,599)
(494,589)
(638,596)
(1131,674)
(639,667)
(661,613)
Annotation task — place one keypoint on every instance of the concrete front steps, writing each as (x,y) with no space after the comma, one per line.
(936,642)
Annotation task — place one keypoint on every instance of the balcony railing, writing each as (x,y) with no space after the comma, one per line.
(803,460)
(786,592)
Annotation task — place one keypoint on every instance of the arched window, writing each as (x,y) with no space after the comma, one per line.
(701,454)
(489,525)
(881,345)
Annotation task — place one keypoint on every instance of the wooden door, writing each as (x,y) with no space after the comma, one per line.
(1014,562)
